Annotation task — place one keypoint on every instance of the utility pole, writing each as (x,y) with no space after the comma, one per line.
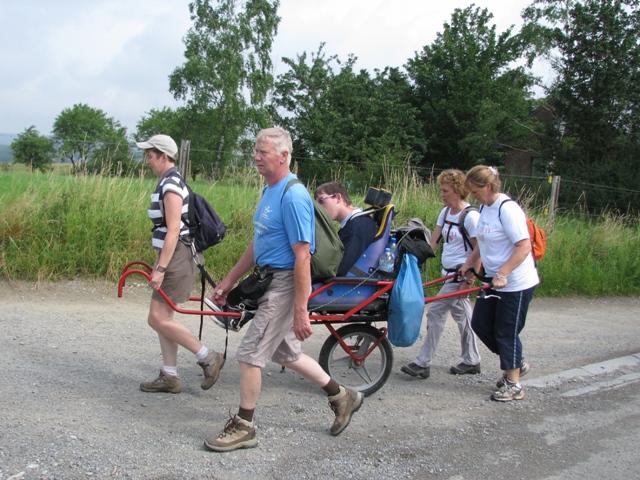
(185,148)
(553,201)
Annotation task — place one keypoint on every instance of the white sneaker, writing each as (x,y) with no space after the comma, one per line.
(232,323)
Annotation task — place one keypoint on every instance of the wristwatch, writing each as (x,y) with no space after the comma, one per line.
(161,269)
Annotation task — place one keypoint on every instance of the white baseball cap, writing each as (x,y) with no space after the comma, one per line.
(164,143)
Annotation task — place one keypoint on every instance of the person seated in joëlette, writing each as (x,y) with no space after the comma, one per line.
(356,231)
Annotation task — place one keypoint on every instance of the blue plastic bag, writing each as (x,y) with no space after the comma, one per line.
(406,305)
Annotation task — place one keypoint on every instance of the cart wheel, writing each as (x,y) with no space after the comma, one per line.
(375,368)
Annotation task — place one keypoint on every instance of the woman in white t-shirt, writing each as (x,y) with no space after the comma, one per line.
(505,250)
(456,227)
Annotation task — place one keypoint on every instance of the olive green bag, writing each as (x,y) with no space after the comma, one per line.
(329,248)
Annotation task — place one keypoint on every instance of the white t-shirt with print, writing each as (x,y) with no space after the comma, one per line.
(453,246)
(497,237)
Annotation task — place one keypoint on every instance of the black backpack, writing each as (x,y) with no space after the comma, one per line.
(466,240)
(205,225)
(413,238)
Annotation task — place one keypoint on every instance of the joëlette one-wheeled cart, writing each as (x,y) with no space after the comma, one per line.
(357,352)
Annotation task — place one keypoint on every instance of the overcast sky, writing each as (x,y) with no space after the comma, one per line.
(116,55)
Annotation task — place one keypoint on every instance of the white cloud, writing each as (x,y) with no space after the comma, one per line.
(116,55)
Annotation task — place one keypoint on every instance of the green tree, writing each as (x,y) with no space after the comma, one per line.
(166,121)
(472,97)
(227,75)
(594,46)
(335,113)
(83,134)
(32,149)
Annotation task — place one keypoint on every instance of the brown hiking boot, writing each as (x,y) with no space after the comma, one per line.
(344,404)
(237,433)
(211,365)
(164,383)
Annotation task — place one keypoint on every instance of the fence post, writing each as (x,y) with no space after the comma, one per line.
(185,147)
(553,201)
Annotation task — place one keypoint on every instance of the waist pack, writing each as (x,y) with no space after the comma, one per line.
(329,248)
(406,304)
(252,287)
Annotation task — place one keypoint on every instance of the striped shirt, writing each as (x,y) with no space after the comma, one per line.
(171,181)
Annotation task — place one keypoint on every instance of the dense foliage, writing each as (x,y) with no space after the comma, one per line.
(595,49)
(471,97)
(226,78)
(339,115)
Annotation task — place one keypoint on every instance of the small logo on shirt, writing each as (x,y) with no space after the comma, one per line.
(266,211)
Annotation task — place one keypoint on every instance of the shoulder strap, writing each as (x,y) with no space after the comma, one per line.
(191,212)
(289,183)
(500,207)
(161,198)
(463,230)
(466,240)
(444,221)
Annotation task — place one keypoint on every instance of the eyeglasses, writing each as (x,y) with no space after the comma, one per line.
(322,199)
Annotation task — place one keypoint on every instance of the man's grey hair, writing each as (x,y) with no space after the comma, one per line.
(280,138)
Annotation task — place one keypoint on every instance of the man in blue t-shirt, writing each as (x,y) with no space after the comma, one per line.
(283,243)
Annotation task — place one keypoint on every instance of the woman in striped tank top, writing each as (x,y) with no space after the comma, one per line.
(174,270)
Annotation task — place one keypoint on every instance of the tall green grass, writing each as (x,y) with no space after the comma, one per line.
(55,226)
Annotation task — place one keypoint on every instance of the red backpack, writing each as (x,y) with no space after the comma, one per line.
(537,236)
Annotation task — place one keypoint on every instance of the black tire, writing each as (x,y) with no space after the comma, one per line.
(376,367)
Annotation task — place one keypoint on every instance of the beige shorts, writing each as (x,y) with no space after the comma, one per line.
(180,276)
(270,335)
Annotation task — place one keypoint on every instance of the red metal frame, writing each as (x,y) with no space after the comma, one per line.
(325,319)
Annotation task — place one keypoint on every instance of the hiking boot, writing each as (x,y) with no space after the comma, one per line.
(344,404)
(211,365)
(164,383)
(237,433)
(416,370)
(232,323)
(510,391)
(463,368)
(524,369)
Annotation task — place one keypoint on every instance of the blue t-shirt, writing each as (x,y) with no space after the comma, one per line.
(280,222)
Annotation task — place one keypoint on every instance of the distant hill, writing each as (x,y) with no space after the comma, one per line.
(5,154)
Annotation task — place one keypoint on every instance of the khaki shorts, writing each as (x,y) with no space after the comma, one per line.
(180,276)
(270,335)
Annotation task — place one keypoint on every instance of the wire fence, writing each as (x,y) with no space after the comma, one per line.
(585,199)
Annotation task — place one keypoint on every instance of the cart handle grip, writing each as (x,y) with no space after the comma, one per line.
(482,278)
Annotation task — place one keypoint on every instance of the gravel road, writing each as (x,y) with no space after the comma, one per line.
(75,353)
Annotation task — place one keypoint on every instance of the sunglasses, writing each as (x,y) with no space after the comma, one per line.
(322,199)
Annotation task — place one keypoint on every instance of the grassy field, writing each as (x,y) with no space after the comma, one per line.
(59,226)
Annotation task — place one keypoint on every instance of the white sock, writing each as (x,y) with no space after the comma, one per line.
(170,370)
(202,353)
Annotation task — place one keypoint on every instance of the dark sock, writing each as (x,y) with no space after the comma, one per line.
(246,414)
(332,388)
